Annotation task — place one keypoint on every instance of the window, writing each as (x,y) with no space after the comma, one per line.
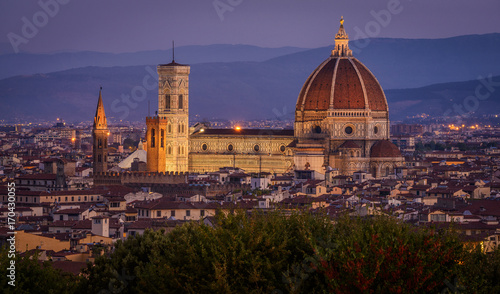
(204,147)
(348,130)
(172,213)
(167,101)
(169,150)
(162,132)
(158,213)
(66,198)
(99,158)
(188,212)
(181,101)
(317,129)
(375,130)
(202,212)
(230,147)
(256,148)
(72,198)
(99,143)
(153,138)
(282,148)
(61,217)
(169,128)
(85,198)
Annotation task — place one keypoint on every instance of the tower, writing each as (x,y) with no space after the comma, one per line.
(173,113)
(156,148)
(100,135)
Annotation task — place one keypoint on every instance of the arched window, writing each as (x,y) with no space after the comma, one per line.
(153,138)
(169,128)
(99,143)
(169,150)
(181,102)
(167,101)
(387,171)
(162,137)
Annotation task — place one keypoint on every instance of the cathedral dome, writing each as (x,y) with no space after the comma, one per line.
(341,82)
(384,148)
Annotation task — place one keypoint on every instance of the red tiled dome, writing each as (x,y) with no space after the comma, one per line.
(384,148)
(342,83)
(349,144)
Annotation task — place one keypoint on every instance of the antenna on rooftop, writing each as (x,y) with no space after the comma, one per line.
(173,51)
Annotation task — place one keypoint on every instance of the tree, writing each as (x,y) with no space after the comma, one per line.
(33,276)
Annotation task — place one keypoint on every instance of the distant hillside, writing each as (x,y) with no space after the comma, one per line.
(410,63)
(448,99)
(242,90)
(26,63)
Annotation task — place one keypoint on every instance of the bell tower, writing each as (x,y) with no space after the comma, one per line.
(173,111)
(100,133)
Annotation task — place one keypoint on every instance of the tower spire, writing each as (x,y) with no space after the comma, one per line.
(100,122)
(341,42)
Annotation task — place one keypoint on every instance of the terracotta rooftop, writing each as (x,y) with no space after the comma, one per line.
(246,132)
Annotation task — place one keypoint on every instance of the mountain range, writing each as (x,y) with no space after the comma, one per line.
(247,82)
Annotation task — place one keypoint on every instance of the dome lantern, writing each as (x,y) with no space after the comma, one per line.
(341,42)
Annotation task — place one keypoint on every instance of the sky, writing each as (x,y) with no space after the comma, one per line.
(47,26)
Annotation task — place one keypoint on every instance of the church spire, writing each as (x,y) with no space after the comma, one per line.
(100,121)
(341,42)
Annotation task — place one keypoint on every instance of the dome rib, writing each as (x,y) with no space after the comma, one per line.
(376,95)
(362,83)
(334,78)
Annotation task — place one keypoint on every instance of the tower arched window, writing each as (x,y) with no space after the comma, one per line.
(169,150)
(169,128)
(153,138)
(162,137)
(167,101)
(181,101)
(99,143)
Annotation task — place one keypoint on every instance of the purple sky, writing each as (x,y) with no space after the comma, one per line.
(134,25)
